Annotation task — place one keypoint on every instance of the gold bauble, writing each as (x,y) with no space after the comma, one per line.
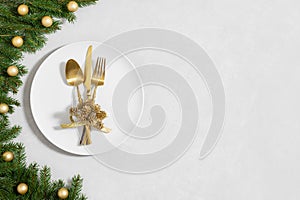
(12,71)
(72,6)
(22,188)
(17,41)
(63,193)
(23,9)
(47,21)
(8,156)
(3,108)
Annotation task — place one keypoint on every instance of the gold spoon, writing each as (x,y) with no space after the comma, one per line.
(74,76)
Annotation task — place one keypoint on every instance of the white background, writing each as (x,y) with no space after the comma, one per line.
(255,45)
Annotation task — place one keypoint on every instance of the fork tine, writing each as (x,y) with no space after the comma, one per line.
(99,72)
(100,68)
(96,69)
(104,65)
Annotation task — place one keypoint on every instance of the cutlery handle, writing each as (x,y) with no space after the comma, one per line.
(79,95)
(86,136)
(95,92)
(88,71)
(88,94)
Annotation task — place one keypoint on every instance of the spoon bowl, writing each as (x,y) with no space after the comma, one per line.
(74,73)
(74,76)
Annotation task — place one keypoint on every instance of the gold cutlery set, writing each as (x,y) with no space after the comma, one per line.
(86,112)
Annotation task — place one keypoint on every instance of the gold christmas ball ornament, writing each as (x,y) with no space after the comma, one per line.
(3,108)
(12,71)
(72,6)
(63,193)
(47,21)
(22,188)
(17,41)
(23,9)
(8,156)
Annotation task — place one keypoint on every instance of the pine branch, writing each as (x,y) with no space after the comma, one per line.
(45,183)
(9,133)
(75,189)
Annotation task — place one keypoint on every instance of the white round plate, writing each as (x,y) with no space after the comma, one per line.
(51,99)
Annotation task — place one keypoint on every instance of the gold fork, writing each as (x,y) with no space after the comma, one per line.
(98,75)
(98,80)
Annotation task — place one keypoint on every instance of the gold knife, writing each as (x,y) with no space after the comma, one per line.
(86,136)
(88,71)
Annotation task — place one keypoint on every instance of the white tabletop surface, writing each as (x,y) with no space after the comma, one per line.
(255,47)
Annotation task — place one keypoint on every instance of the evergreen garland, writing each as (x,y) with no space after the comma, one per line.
(30,28)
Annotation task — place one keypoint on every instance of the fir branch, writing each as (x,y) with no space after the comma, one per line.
(75,189)
(9,133)
(45,183)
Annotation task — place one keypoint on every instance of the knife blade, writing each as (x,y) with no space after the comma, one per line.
(88,71)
